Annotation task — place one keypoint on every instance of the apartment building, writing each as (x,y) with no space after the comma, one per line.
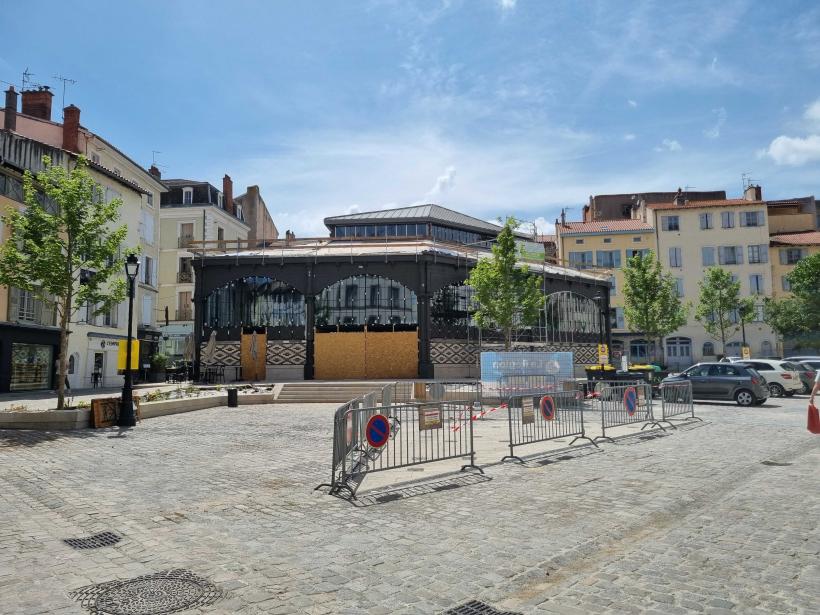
(191,211)
(695,235)
(28,336)
(606,245)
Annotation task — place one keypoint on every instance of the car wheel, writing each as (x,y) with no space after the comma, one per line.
(806,389)
(790,393)
(744,398)
(776,390)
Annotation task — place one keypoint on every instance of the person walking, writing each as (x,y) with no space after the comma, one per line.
(816,387)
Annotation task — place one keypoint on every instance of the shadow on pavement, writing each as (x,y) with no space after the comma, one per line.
(417,488)
(13,438)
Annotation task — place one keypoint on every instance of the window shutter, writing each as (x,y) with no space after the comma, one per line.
(14,304)
(783,256)
(154,272)
(721,255)
(599,256)
(617,258)
(739,254)
(761,218)
(764,253)
(742,218)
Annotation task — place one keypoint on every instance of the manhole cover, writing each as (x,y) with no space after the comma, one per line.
(169,591)
(475,607)
(103,539)
(775,463)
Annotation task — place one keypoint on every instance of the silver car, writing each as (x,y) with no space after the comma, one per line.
(727,381)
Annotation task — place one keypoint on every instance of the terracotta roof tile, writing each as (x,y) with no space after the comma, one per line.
(809,238)
(605,226)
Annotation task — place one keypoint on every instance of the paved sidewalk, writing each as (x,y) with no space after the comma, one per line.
(719,517)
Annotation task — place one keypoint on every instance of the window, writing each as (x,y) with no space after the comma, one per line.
(766,348)
(608,258)
(675,258)
(734,316)
(148,271)
(149,198)
(790,256)
(759,314)
(705,221)
(732,349)
(147,227)
(752,218)
(670,223)
(219,202)
(71,364)
(708,256)
(634,253)
(787,286)
(186,233)
(638,350)
(187,196)
(239,214)
(679,287)
(708,349)
(756,283)
(727,219)
(636,240)
(580,259)
(110,317)
(26,306)
(607,239)
(95,158)
(579,241)
(758,253)
(679,347)
(617,320)
(147,309)
(613,290)
(730,255)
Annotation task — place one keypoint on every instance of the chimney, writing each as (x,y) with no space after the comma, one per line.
(155,171)
(37,103)
(753,193)
(679,198)
(563,217)
(227,193)
(10,117)
(71,129)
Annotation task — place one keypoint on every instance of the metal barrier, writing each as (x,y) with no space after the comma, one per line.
(374,439)
(676,401)
(625,405)
(526,384)
(592,388)
(538,418)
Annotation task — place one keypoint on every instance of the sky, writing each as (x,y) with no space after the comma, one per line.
(490,107)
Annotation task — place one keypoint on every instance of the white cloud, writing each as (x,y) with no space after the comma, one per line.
(794,151)
(444,182)
(507,5)
(714,131)
(632,103)
(629,137)
(669,145)
(544,226)
(812,113)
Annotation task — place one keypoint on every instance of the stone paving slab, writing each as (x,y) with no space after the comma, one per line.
(690,521)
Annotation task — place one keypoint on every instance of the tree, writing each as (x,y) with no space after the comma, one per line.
(798,316)
(506,294)
(719,299)
(651,302)
(66,254)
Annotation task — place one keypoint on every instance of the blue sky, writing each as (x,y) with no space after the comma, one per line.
(491,107)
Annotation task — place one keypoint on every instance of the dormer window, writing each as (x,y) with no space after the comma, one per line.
(239,215)
(95,158)
(219,200)
(187,196)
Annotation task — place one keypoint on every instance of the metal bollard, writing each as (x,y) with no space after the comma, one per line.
(233,398)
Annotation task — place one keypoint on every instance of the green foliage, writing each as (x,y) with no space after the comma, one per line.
(651,302)
(159,361)
(49,248)
(719,297)
(506,295)
(798,316)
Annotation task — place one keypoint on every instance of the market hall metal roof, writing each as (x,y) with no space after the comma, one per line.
(417,213)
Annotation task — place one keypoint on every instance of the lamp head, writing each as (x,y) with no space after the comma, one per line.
(132,266)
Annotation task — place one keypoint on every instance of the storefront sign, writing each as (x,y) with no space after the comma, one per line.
(135,354)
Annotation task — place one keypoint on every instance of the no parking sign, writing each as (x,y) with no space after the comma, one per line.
(631,400)
(377,431)
(547,408)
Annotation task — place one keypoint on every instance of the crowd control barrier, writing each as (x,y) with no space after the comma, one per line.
(676,402)
(374,439)
(526,384)
(625,405)
(592,388)
(538,418)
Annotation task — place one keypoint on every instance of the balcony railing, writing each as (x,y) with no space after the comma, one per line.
(185,314)
(185,241)
(185,277)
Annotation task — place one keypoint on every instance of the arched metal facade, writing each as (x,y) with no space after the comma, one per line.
(370,300)
(254,301)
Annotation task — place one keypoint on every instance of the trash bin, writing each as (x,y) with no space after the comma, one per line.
(233,398)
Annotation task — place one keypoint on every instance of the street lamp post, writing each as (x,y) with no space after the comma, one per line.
(127,417)
(599,301)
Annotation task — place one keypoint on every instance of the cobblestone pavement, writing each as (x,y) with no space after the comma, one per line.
(692,521)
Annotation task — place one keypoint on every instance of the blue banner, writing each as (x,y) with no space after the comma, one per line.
(494,365)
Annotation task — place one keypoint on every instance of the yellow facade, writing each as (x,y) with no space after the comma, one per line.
(782,266)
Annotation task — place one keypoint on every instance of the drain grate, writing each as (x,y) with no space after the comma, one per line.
(778,464)
(169,591)
(103,539)
(474,607)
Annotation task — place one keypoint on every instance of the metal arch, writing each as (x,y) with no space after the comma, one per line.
(568,314)
(237,303)
(332,300)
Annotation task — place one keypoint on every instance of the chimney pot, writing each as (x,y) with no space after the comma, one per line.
(227,194)
(10,117)
(37,103)
(71,129)
(753,192)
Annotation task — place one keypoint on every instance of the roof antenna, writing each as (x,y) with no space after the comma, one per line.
(65,80)
(154,153)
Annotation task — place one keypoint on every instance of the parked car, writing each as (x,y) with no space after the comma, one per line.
(807,372)
(731,381)
(730,359)
(781,378)
(812,359)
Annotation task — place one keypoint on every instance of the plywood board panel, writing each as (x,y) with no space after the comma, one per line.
(392,355)
(339,356)
(253,362)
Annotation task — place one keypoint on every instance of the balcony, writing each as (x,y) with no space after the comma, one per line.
(185,277)
(184,314)
(185,241)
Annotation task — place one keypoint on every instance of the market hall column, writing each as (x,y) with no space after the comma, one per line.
(425,366)
(310,321)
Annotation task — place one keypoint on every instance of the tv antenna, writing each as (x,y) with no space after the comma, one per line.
(65,81)
(746,178)
(154,153)
(26,79)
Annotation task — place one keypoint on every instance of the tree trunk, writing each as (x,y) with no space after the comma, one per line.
(507,338)
(65,319)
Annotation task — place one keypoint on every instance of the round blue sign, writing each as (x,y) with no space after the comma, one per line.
(377,431)
(631,401)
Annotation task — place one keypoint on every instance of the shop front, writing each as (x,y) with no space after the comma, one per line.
(28,357)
